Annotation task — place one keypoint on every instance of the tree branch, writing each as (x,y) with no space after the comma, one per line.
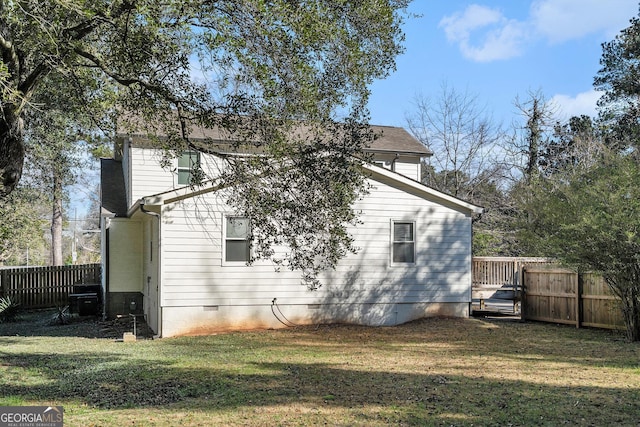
(29,83)
(123,80)
(9,54)
(71,34)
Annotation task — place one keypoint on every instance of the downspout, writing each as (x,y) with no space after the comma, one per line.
(158,276)
(393,162)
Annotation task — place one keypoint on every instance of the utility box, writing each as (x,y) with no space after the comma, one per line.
(84,304)
(85,299)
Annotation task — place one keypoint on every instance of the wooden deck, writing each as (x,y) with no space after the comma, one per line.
(497,283)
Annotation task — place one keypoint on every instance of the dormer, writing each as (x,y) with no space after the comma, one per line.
(396,150)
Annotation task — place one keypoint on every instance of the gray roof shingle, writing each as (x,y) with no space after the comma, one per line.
(397,140)
(390,139)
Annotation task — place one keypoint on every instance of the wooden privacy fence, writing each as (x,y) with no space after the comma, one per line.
(500,277)
(44,287)
(564,296)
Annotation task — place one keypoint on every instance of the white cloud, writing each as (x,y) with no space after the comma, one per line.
(502,43)
(485,34)
(582,103)
(500,38)
(562,20)
(458,26)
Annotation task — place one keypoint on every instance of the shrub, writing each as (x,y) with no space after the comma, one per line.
(8,310)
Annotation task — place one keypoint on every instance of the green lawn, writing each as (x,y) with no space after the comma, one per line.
(430,372)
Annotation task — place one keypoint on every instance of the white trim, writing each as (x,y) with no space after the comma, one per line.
(382,164)
(376,172)
(392,241)
(224,239)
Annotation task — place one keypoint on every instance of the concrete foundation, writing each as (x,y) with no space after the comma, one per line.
(206,320)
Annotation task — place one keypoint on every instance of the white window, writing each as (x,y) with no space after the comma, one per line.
(403,242)
(186,164)
(382,164)
(236,242)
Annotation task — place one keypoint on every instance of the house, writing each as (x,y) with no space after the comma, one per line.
(177,255)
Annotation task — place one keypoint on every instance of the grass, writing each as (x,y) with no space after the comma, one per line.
(431,372)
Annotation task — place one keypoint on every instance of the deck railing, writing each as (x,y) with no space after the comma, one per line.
(500,276)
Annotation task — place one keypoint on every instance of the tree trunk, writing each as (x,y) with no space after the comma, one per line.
(11,151)
(627,288)
(56,222)
(631,313)
(534,136)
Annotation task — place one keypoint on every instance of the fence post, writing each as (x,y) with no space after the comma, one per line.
(523,293)
(579,299)
(517,285)
(3,280)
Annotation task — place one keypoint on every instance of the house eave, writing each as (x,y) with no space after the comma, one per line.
(133,209)
(424,189)
(187,192)
(169,197)
(106,213)
(421,154)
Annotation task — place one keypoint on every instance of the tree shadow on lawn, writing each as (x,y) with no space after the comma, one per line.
(111,380)
(507,339)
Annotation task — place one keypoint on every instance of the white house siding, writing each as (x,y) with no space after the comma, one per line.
(411,170)
(124,262)
(125,255)
(201,295)
(147,177)
(144,176)
(150,269)
(126,170)
(409,166)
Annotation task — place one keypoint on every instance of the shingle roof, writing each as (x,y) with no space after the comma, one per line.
(112,191)
(397,140)
(390,139)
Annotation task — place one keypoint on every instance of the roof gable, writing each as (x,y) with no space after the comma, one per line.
(375,172)
(407,184)
(397,140)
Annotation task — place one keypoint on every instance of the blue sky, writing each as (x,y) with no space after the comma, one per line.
(500,49)
(497,50)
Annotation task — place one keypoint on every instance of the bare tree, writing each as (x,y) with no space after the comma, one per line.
(468,160)
(464,140)
(531,135)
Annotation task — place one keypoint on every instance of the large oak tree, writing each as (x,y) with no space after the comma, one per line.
(253,68)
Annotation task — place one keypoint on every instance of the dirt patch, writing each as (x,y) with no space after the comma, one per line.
(48,323)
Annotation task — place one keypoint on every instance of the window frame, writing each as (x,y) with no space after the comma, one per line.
(226,238)
(393,242)
(188,169)
(381,163)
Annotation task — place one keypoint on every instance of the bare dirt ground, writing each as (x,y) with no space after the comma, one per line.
(46,323)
